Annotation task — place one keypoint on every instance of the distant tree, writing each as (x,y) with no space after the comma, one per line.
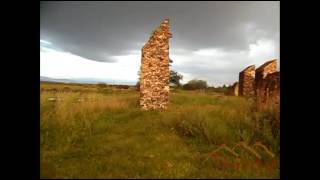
(195,84)
(138,86)
(170,61)
(175,78)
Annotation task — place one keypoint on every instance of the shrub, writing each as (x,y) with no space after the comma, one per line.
(122,86)
(102,85)
(195,84)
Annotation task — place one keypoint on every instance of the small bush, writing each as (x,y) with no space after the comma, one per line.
(122,86)
(102,85)
(195,84)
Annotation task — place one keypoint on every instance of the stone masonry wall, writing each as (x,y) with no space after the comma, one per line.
(235,89)
(269,91)
(267,85)
(265,69)
(154,72)
(246,81)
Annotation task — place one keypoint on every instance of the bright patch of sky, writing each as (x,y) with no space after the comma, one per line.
(57,64)
(217,66)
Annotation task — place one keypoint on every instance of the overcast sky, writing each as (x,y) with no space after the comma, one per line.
(212,41)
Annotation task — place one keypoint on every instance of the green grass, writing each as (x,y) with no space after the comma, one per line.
(107,136)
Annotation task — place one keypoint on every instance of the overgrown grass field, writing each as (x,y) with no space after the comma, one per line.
(87,131)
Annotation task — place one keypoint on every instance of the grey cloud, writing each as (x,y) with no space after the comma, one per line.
(99,30)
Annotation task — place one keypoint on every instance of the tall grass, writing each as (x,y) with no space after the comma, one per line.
(94,132)
(217,120)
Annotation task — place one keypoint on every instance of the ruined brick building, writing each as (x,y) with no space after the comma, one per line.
(246,81)
(265,69)
(234,89)
(267,82)
(262,83)
(154,72)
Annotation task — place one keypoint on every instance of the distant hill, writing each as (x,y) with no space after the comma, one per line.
(86,81)
(48,79)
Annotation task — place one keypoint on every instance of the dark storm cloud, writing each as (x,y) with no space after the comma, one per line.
(100,30)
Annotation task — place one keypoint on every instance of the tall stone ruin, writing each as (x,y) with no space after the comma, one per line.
(268,92)
(267,85)
(265,69)
(234,89)
(154,71)
(246,81)
(263,83)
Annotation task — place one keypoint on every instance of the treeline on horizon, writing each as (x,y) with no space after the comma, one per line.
(191,85)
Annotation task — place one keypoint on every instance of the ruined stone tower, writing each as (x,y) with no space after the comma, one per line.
(268,91)
(235,89)
(246,81)
(265,69)
(154,72)
(267,85)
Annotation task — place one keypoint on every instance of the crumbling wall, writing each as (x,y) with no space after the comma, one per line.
(265,69)
(263,82)
(267,85)
(246,81)
(154,72)
(234,89)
